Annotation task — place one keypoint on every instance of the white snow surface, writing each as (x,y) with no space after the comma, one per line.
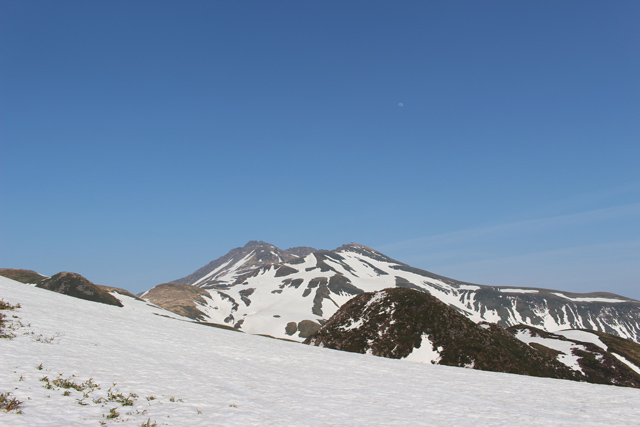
(588,299)
(583,336)
(518,291)
(203,376)
(627,362)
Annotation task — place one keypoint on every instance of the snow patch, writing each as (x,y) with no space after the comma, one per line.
(627,362)
(377,297)
(468,287)
(426,353)
(583,336)
(354,324)
(587,299)
(517,291)
(565,348)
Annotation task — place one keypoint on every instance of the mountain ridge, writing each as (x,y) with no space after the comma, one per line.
(262,289)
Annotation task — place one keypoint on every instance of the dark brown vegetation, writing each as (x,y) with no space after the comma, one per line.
(77,286)
(24,276)
(393,322)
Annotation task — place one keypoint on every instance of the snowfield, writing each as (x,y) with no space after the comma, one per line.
(178,373)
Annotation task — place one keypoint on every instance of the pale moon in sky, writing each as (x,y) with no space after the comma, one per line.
(400,104)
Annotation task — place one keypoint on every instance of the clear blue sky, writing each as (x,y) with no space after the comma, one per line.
(496,142)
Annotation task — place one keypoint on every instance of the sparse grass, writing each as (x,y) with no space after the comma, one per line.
(69,383)
(7,306)
(148,423)
(46,340)
(66,385)
(6,324)
(8,403)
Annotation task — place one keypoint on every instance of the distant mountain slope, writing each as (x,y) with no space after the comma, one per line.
(24,276)
(261,289)
(405,323)
(181,299)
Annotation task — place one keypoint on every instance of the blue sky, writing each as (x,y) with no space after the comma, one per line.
(494,142)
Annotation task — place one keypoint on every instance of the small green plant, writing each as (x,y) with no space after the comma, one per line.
(39,368)
(8,403)
(47,384)
(148,423)
(121,398)
(173,399)
(112,414)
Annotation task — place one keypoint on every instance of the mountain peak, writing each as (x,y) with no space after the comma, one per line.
(301,251)
(258,243)
(353,245)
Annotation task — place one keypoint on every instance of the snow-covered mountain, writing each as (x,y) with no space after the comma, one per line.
(261,289)
(240,261)
(75,362)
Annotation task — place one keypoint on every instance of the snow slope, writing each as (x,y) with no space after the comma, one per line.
(203,376)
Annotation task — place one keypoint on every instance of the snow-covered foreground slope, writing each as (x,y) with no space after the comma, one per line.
(187,374)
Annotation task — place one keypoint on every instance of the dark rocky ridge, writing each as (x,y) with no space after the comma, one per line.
(394,321)
(77,286)
(391,323)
